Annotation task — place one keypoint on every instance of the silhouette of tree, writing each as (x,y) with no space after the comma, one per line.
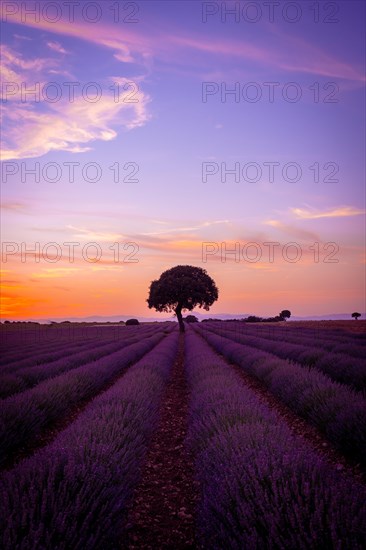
(131,322)
(356,315)
(285,314)
(191,319)
(182,288)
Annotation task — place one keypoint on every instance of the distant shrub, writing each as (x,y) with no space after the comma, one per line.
(191,319)
(253,319)
(130,322)
(285,314)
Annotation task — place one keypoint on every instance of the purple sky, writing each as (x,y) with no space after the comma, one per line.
(175,132)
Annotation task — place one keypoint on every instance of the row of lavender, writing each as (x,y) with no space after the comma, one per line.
(31,335)
(28,372)
(39,353)
(25,416)
(20,354)
(13,353)
(332,335)
(74,493)
(342,343)
(336,410)
(261,486)
(339,367)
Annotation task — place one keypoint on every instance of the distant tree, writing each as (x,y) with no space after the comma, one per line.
(182,288)
(356,315)
(253,319)
(131,322)
(285,314)
(191,319)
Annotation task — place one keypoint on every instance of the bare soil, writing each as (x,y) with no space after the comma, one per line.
(162,514)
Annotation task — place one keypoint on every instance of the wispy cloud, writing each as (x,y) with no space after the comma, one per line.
(90,235)
(293,231)
(56,272)
(106,268)
(13,206)
(289,53)
(196,227)
(16,69)
(22,37)
(129,46)
(56,46)
(338,212)
(10,57)
(33,128)
(301,57)
(67,126)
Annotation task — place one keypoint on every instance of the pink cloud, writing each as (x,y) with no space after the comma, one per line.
(292,54)
(109,36)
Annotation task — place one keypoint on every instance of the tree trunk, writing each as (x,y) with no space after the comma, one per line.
(178,312)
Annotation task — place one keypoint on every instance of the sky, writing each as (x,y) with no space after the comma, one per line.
(142,135)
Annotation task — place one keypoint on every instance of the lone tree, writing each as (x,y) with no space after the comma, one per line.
(182,288)
(285,314)
(356,315)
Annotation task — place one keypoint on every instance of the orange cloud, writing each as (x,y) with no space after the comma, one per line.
(56,272)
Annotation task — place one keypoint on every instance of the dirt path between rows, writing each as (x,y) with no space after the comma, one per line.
(162,514)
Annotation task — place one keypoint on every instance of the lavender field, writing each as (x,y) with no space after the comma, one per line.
(228,436)
(182,309)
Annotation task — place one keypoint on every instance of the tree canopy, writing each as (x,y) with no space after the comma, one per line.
(191,319)
(356,315)
(183,287)
(132,322)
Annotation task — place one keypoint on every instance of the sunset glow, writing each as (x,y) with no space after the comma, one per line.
(181,135)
